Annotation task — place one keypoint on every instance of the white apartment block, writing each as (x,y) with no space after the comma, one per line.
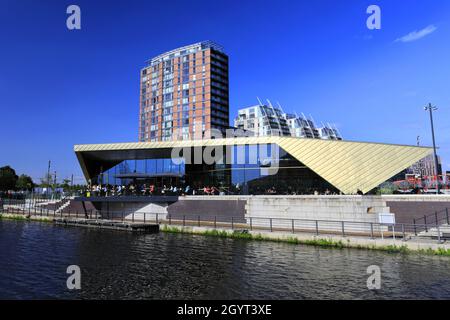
(267,120)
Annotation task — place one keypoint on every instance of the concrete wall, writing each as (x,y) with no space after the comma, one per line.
(410,207)
(209,208)
(126,210)
(336,208)
(242,208)
(221,208)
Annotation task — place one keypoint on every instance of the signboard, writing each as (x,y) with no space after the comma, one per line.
(386,218)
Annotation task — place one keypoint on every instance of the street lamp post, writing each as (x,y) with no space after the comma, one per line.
(431,108)
(54,187)
(48,178)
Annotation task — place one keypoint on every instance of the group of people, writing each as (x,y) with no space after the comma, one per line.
(293,191)
(147,190)
(210,191)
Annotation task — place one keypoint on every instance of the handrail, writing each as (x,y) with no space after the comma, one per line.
(237,218)
(292,225)
(434,217)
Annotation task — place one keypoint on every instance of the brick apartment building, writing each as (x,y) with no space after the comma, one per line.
(184,94)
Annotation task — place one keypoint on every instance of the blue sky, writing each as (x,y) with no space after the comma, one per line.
(59,87)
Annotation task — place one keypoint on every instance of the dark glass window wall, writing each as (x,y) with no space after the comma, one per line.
(250,169)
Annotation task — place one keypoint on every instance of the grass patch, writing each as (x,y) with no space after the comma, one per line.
(396,249)
(405,250)
(22,217)
(442,252)
(437,252)
(169,229)
(236,234)
(13,217)
(325,243)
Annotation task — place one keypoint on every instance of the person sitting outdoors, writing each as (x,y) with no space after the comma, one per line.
(214,191)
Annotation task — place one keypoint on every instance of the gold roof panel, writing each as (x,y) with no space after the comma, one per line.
(347,165)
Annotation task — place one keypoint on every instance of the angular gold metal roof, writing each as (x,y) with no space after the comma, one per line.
(347,165)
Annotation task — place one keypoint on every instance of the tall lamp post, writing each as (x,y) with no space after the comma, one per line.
(48,178)
(54,187)
(431,108)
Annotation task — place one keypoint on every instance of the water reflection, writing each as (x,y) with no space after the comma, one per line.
(34,258)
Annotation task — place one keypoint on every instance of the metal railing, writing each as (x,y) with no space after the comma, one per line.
(29,203)
(316,227)
(437,218)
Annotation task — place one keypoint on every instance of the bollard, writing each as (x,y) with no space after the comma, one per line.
(415,230)
(144,216)
(425,221)
(293,226)
(198,218)
(157,219)
(184,220)
(232,223)
(343,230)
(251,223)
(371,230)
(317,227)
(215,222)
(170,219)
(403,232)
(446,215)
(271,230)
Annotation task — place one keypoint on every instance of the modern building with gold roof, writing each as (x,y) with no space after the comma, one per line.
(249,165)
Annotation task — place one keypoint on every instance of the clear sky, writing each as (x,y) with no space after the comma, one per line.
(60,87)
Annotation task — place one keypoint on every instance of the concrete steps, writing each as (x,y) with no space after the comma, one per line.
(65,203)
(444,232)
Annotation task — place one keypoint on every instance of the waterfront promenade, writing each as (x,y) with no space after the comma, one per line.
(415,222)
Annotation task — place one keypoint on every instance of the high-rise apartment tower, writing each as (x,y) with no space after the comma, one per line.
(184,94)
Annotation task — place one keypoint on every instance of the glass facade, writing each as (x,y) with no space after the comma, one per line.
(144,171)
(259,169)
(244,169)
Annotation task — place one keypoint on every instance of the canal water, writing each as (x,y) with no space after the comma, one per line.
(116,265)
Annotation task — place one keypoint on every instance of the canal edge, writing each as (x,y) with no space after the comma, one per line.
(386,245)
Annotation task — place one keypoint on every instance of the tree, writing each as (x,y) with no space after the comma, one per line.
(47,181)
(8,178)
(24,183)
(387,188)
(66,184)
